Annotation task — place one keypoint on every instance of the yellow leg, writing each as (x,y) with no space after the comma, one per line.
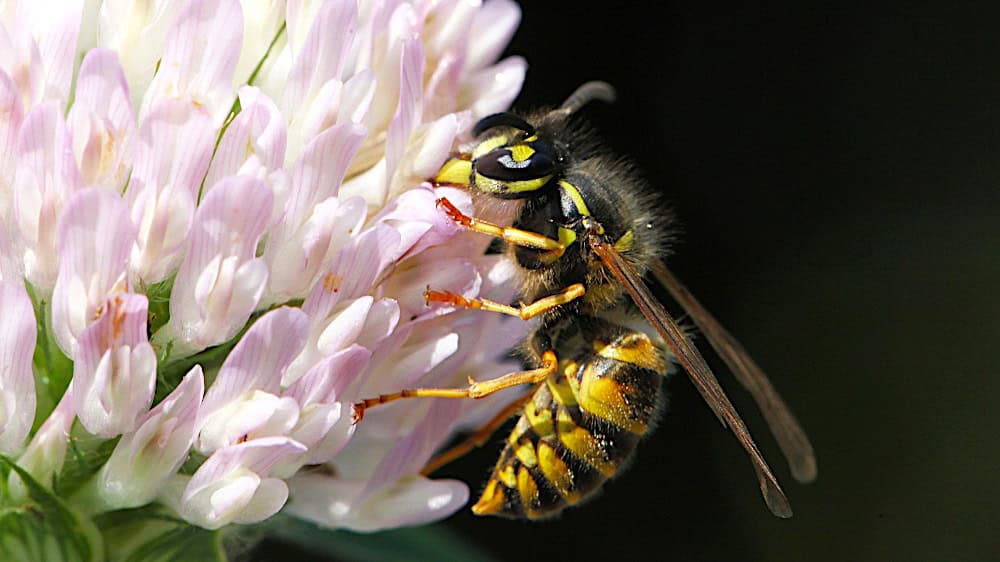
(524,312)
(477,439)
(510,235)
(475,390)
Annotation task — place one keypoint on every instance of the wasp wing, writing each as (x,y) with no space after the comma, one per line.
(694,364)
(786,430)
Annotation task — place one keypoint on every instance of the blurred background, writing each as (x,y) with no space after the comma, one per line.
(836,175)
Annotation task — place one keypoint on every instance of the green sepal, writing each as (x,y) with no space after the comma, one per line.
(153,534)
(42,526)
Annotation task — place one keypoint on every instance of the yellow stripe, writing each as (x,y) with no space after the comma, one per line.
(560,387)
(525,453)
(634,348)
(528,489)
(556,472)
(566,236)
(455,171)
(574,194)
(605,398)
(582,444)
(488,145)
(521,152)
(625,243)
(508,476)
(540,420)
(528,185)
(491,501)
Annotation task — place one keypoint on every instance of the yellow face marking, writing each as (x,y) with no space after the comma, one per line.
(521,152)
(574,194)
(636,349)
(490,185)
(540,420)
(528,489)
(557,472)
(532,138)
(488,145)
(566,236)
(455,171)
(491,501)
(584,445)
(625,243)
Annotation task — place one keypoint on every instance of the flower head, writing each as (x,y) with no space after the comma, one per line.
(220,226)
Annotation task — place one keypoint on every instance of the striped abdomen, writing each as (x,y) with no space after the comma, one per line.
(578,429)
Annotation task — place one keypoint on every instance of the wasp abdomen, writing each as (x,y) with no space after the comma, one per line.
(559,453)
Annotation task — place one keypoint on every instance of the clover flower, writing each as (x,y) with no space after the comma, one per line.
(217,234)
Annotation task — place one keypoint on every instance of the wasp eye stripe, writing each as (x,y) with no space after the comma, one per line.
(502,120)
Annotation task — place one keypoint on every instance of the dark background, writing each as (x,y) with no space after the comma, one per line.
(835,173)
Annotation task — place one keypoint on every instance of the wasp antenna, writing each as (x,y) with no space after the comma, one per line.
(586,93)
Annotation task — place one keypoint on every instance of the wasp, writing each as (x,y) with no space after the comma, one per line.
(584,238)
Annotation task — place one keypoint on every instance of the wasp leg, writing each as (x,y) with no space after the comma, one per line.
(475,390)
(477,439)
(524,312)
(514,236)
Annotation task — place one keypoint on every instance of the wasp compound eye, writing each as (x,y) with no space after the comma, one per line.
(518,162)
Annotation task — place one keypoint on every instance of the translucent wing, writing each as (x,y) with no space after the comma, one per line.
(787,432)
(696,368)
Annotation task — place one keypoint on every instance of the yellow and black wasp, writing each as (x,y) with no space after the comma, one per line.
(585,236)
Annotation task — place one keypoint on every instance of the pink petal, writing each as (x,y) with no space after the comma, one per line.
(46,177)
(257,455)
(197,66)
(231,486)
(220,280)
(114,372)
(254,143)
(322,56)
(95,240)
(11,115)
(172,154)
(259,359)
(495,24)
(408,112)
(327,379)
(493,89)
(330,502)
(415,447)
(102,121)
(143,461)
(21,60)
(138,33)
(55,25)
(354,270)
(17,383)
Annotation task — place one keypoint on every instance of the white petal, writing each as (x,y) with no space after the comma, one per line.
(415,501)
